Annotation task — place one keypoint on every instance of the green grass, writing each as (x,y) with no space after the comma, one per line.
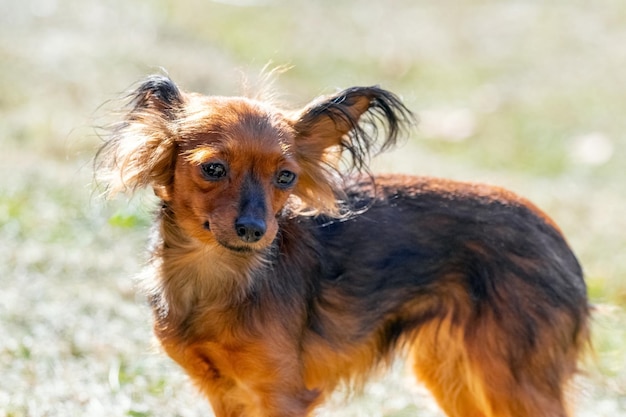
(527,95)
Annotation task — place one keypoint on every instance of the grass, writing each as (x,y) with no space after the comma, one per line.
(527,95)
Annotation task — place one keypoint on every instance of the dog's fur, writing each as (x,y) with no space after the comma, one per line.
(277,275)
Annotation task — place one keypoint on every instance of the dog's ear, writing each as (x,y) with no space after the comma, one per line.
(344,124)
(140,150)
(159,94)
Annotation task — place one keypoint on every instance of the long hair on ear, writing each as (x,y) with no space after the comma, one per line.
(139,151)
(336,137)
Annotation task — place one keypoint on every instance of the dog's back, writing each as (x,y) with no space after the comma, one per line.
(476,282)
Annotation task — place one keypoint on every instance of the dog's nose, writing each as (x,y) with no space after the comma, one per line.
(250,230)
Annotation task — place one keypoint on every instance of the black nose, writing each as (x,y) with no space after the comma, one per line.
(250,230)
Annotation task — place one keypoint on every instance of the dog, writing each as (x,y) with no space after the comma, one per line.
(282,268)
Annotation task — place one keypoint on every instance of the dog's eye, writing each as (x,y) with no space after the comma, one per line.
(213,170)
(285,178)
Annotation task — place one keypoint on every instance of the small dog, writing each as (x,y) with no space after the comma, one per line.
(280,268)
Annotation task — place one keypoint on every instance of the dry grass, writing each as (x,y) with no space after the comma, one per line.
(529,95)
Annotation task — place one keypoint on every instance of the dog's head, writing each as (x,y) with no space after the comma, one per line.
(227,166)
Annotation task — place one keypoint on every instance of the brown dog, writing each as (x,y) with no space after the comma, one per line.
(275,277)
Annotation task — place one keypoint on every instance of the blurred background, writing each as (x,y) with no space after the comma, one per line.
(525,94)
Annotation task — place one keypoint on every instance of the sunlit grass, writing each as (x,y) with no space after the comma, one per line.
(526,95)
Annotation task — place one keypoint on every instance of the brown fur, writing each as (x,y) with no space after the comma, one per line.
(271,292)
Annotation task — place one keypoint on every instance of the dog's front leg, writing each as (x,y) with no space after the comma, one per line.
(272,402)
(251,380)
(272,385)
(239,399)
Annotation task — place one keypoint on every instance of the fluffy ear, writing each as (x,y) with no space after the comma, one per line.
(345,124)
(140,151)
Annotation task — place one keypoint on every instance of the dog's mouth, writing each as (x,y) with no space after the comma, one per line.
(237,249)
